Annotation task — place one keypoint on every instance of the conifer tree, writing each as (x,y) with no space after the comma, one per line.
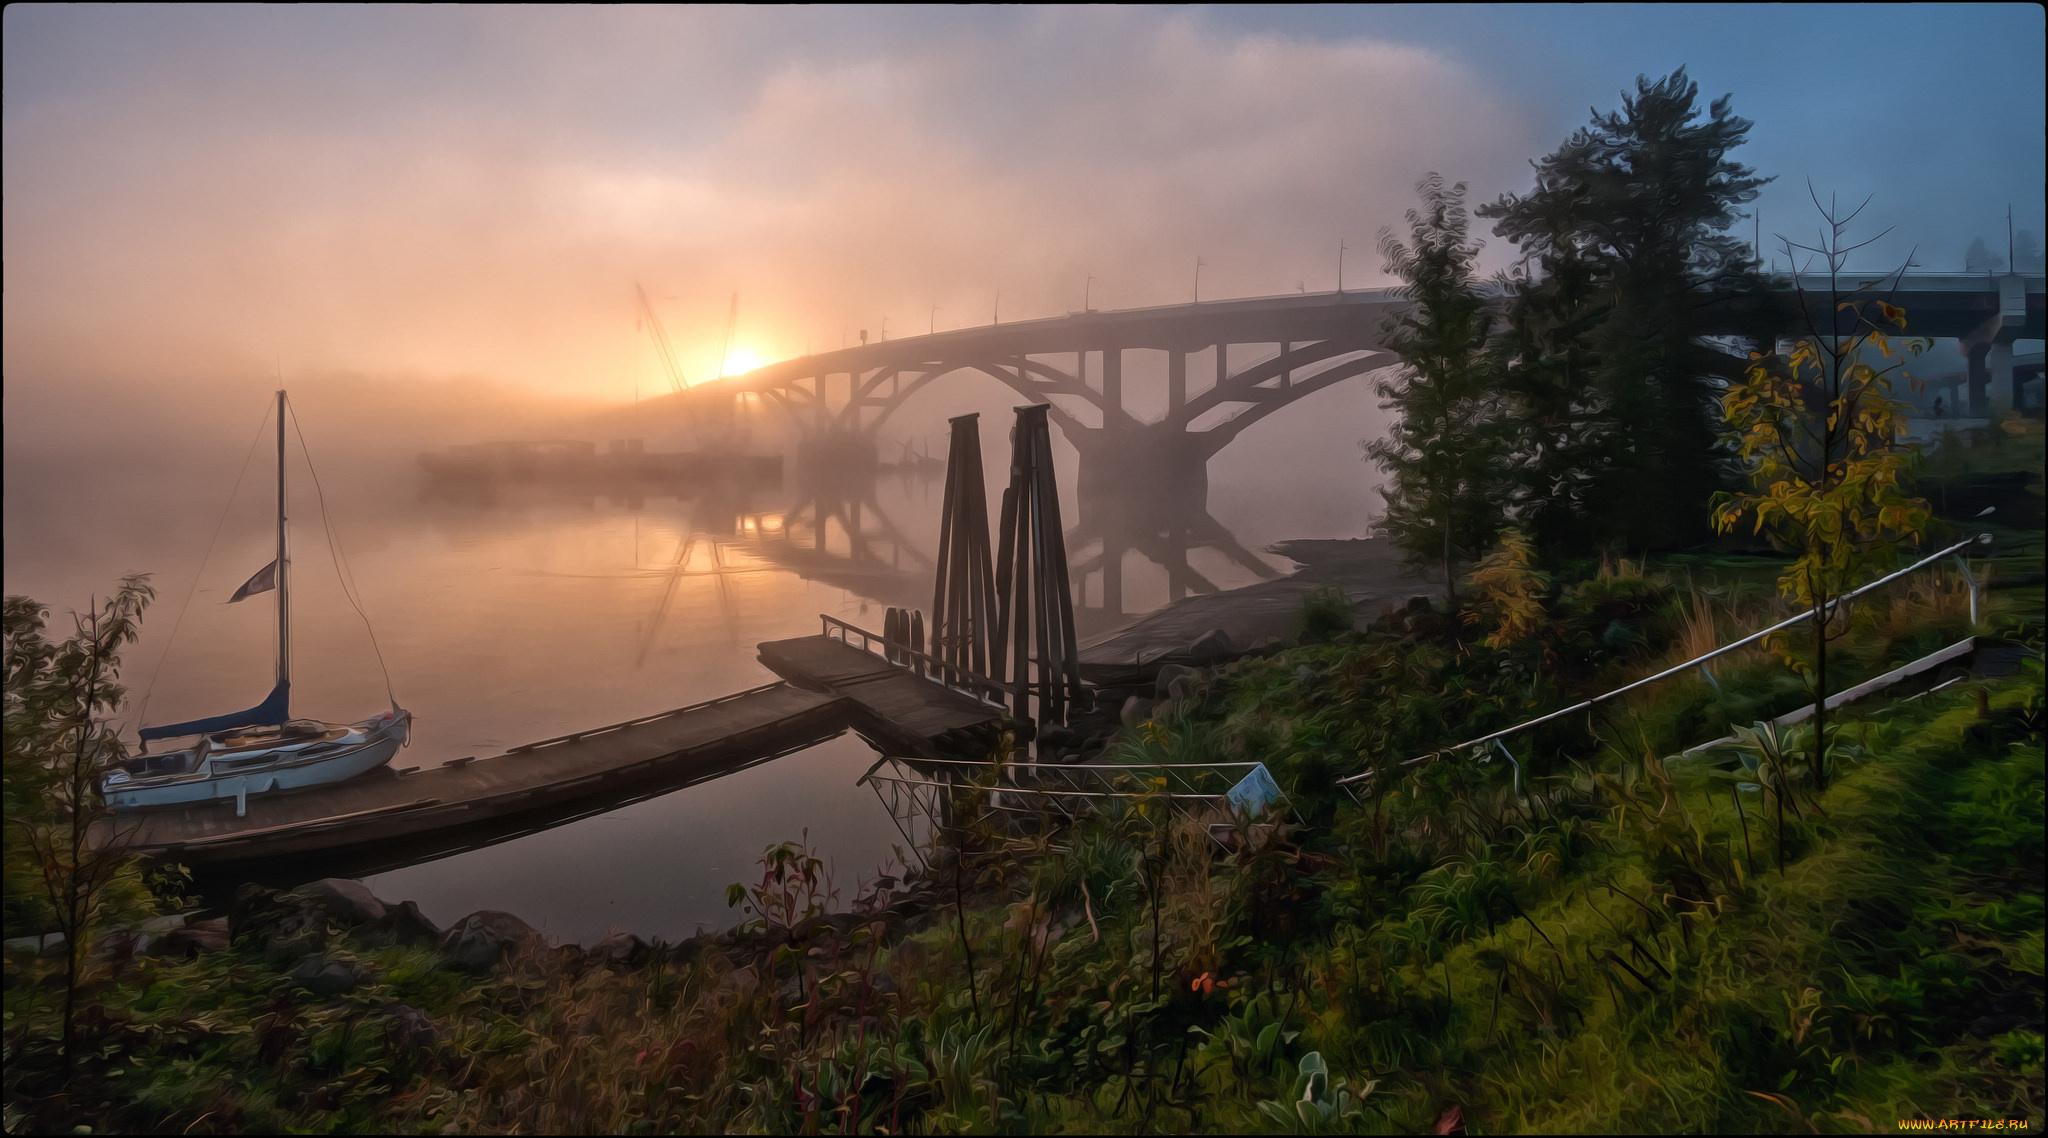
(1979,258)
(1445,492)
(1627,227)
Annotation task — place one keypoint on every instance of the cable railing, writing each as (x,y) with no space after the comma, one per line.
(1696,662)
(920,663)
(918,792)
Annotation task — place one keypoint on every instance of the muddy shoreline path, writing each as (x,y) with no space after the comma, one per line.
(1366,571)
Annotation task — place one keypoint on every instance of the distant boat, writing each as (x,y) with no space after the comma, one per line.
(261,750)
(575,462)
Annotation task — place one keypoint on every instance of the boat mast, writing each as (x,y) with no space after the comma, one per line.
(284,612)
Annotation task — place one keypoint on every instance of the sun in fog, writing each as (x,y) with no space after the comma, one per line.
(740,360)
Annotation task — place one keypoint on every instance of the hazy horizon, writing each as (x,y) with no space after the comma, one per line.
(200,198)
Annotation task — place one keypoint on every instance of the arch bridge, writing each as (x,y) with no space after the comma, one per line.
(1227,365)
(1231,363)
(1262,354)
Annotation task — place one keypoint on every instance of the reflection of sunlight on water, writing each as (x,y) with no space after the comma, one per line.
(507,617)
(507,623)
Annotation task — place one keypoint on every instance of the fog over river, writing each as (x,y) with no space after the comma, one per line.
(517,614)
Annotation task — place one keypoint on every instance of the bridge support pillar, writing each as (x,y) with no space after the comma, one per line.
(1141,479)
(1998,365)
(1975,356)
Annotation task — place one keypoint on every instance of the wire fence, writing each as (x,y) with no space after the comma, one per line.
(1498,738)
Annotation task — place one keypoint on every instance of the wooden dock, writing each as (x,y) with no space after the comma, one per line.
(389,818)
(392,818)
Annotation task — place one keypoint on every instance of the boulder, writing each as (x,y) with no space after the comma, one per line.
(401,924)
(410,1027)
(325,978)
(253,911)
(195,938)
(743,981)
(303,919)
(486,939)
(118,946)
(621,950)
(1212,645)
(1134,712)
(349,902)
(1170,674)
(43,945)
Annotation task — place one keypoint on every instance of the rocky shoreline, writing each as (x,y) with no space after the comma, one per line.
(312,932)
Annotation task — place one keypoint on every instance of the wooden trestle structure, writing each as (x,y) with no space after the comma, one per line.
(1002,620)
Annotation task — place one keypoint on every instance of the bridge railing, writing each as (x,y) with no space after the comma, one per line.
(918,662)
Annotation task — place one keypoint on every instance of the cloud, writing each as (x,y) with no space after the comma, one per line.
(435,191)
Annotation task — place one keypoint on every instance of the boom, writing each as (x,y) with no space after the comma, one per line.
(652,323)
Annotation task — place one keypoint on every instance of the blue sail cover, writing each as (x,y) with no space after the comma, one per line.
(274,709)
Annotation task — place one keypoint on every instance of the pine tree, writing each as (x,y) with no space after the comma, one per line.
(1627,227)
(1979,258)
(1545,357)
(1446,485)
(2026,252)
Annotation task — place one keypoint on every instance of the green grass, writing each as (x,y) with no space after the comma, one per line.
(1616,948)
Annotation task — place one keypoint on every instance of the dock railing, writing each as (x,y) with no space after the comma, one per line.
(1696,662)
(920,663)
(916,791)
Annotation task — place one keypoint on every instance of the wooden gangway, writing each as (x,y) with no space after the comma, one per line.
(901,699)
(388,818)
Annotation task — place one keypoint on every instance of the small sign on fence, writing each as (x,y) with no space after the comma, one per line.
(1255,791)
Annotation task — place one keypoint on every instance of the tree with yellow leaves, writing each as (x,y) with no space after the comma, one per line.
(1821,439)
(1508,591)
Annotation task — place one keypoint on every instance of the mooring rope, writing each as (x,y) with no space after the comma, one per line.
(341,570)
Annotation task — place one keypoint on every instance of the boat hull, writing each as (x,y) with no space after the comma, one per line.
(235,776)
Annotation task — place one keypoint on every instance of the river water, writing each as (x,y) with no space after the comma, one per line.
(508,616)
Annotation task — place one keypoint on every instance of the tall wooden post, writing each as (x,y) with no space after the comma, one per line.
(963,595)
(1034,601)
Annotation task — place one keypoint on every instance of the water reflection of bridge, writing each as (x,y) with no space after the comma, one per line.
(837,532)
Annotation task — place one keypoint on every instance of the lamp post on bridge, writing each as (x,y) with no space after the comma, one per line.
(1340,266)
(1198,278)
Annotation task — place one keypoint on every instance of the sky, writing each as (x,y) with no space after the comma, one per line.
(200,195)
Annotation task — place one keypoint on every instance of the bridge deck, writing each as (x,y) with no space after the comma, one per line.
(474,801)
(895,709)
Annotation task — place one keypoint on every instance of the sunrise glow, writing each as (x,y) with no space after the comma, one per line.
(741,360)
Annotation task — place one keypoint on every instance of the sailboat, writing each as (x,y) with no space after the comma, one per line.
(264,749)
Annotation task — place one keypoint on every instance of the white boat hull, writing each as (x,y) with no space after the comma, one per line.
(238,774)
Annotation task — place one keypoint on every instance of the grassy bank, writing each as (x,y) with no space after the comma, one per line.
(1602,941)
